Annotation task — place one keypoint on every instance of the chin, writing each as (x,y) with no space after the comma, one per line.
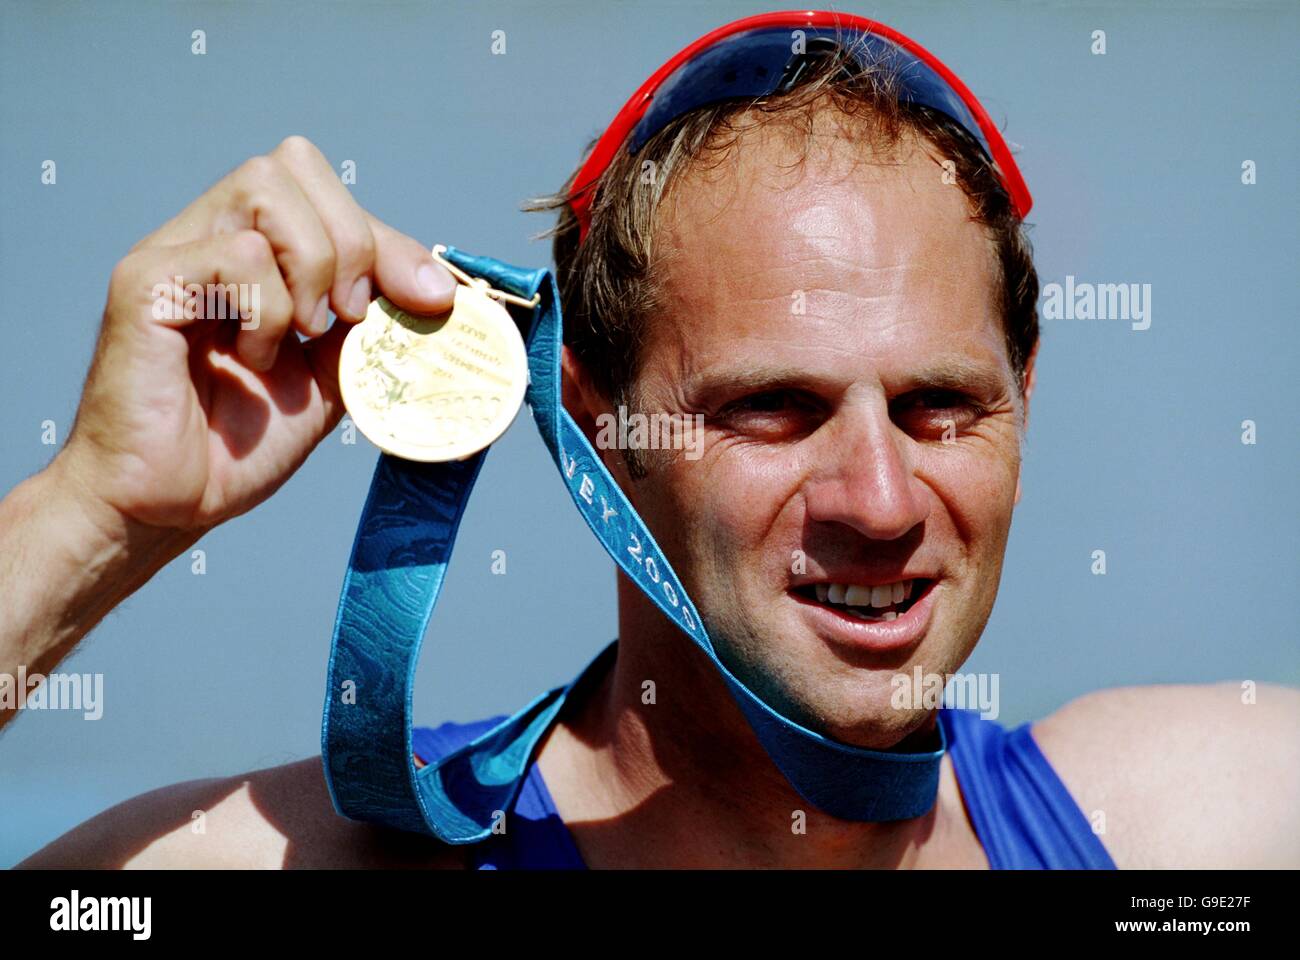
(852,705)
(869,721)
(845,693)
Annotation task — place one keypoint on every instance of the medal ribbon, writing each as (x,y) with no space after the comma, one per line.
(399,558)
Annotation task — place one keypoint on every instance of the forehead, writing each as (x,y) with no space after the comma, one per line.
(782,245)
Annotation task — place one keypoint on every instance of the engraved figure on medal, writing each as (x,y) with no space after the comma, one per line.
(435,388)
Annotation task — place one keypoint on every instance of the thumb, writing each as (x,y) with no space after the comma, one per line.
(407,274)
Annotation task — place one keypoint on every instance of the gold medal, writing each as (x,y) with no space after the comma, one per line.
(436,388)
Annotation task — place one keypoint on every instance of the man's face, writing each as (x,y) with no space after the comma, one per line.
(837,326)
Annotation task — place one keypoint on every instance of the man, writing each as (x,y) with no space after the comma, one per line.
(874,431)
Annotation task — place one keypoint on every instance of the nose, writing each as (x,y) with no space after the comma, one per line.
(863,477)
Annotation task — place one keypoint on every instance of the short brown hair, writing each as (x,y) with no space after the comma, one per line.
(608,286)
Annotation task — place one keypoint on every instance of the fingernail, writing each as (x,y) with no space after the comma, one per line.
(434,281)
(359,298)
(321,318)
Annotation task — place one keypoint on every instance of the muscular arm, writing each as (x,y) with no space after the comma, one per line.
(1185,776)
(64,563)
(188,420)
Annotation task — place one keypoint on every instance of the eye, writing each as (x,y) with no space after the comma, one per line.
(771,402)
(931,413)
(941,399)
(771,413)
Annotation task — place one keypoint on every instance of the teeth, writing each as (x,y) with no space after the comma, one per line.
(856,595)
(861,615)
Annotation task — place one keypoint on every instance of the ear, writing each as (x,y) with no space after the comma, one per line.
(586,404)
(578,394)
(1028,395)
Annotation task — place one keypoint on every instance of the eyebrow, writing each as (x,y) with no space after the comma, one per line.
(956,372)
(960,373)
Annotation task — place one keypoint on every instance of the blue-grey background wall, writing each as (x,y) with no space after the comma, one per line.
(1134,158)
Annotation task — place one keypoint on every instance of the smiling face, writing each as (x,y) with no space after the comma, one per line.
(837,326)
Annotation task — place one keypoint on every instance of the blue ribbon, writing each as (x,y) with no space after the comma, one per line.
(399,559)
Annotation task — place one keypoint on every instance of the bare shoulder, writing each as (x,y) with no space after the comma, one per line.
(1184,775)
(276,818)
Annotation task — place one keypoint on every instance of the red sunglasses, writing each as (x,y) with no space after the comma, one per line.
(757,57)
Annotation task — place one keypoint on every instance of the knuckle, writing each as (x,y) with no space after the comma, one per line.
(124,276)
(251,249)
(131,281)
(297,147)
(257,168)
(142,276)
(255,173)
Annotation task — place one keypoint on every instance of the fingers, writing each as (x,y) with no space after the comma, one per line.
(237,274)
(261,194)
(330,251)
(344,223)
(281,212)
(407,273)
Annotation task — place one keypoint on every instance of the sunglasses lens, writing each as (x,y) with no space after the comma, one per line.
(771,60)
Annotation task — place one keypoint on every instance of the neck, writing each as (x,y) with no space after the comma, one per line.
(654,765)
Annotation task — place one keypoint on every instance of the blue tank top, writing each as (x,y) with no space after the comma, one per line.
(1023,814)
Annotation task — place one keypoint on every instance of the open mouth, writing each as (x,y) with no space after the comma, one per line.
(879,603)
